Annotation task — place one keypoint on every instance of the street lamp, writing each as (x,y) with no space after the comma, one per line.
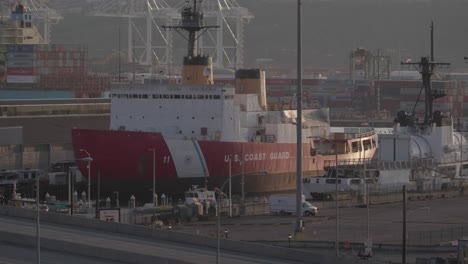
(218,223)
(70,190)
(154,177)
(226,232)
(88,159)
(38,228)
(230,186)
(289,240)
(336,188)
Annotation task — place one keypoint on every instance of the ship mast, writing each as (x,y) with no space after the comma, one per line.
(426,68)
(196,69)
(192,22)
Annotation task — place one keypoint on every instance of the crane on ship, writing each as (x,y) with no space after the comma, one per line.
(226,47)
(45,15)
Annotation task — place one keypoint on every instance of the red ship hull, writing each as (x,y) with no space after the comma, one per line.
(124,161)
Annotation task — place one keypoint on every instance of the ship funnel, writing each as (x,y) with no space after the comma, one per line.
(252,81)
(197,70)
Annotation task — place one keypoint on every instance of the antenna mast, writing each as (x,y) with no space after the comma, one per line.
(426,68)
(192,22)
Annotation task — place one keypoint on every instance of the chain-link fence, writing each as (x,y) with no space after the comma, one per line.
(437,237)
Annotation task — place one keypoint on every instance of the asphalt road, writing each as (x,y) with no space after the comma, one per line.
(176,253)
(16,254)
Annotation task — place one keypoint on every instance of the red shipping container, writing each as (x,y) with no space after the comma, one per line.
(278,81)
(21,71)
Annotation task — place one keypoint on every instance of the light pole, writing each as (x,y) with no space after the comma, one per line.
(299,118)
(243,177)
(230,187)
(154,177)
(218,222)
(70,189)
(38,227)
(88,159)
(336,189)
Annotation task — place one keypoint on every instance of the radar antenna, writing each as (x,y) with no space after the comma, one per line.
(192,22)
(426,68)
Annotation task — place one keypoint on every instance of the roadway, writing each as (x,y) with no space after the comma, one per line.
(145,250)
(17,254)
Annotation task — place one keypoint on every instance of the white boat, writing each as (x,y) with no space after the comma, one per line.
(425,155)
(380,177)
(433,138)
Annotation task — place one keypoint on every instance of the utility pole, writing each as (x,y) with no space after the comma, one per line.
(38,227)
(299,223)
(98,194)
(403,251)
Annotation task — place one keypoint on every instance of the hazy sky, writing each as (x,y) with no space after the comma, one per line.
(331,29)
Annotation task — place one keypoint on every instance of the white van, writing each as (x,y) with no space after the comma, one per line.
(283,204)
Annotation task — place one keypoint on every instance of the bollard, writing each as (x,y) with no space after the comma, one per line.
(83,196)
(132,201)
(163,199)
(75,197)
(108,200)
(47,197)
(155,199)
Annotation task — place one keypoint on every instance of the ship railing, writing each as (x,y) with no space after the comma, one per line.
(346,162)
(353,135)
(451,159)
(372,164)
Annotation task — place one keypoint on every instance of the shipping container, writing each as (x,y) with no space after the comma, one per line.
(12,48)
(21,71)
(21,79)
(20,63)
(20,56)
(30,94)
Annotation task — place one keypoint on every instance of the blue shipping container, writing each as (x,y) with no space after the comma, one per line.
(30,94)
(20,48)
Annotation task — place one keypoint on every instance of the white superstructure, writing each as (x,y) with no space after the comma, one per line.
(204,112)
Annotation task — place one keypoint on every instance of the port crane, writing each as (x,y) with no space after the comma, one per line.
(225,45)
(45,15)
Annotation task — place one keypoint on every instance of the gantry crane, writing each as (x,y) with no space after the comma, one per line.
(145,49)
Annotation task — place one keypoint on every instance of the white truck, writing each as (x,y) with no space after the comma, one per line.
(282,204)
